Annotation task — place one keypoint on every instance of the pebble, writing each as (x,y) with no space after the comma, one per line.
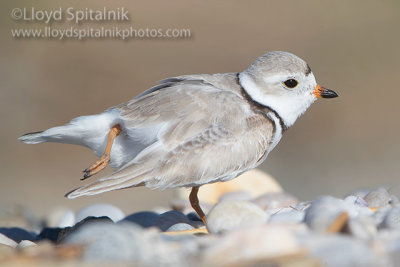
(193,216)
(287,215)
(378,198)
(25,243)
(100,210)
(113,243)
(362,228)
(323,212)
(170,218)
(379,215)
(257,243)
(60,217)
(180,227)
(356,200)
(17,234)
(234,214)
(392,219)
(144,218)
(339,250)
(270,229)
(183,205)
(275,200)
(255,182)
(7,241)
(65,232)
(49,234)
(237,195)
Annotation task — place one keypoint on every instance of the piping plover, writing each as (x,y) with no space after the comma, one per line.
(194,129)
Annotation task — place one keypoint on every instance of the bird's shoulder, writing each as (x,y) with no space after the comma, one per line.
(190,96)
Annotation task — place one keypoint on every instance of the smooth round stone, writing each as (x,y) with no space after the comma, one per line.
(275,200)
(322,213)
(356,200)
(339,250)
(7,241)
(236,195)
(234,214)
(388,239)
(144,218)
(245,247)
(379,215)
(168,219)
(50,234)
(377,198)
(106,241)
(25,243)
(127,242)
(356,207)
(100,210)
(180,227)
(302,206)
(392,219)
(362,228)
(255,182)
(184,206)
(193,216)
(60,218)
(18,234)
(88,221)
(287,215)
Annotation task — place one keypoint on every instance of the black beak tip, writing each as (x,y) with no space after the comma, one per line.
(329,94)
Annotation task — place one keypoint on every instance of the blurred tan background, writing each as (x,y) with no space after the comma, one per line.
(342,144)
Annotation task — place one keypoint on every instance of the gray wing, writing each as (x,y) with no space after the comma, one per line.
(202,134)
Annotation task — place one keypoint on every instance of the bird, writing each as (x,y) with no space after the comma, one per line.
(192,130)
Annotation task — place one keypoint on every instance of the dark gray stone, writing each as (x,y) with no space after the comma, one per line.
(169,218)
(144,218)
(18,234)
(64,233)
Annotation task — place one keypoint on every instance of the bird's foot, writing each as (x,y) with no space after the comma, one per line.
(96,167)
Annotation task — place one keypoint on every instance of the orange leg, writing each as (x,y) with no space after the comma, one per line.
(194,201)
(103,161)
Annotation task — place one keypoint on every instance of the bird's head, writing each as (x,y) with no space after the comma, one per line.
(283,82)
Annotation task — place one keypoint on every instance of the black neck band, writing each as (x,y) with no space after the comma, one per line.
(263,108)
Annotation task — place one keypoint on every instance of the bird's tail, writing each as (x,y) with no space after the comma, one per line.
(90,131)
(68,134)
(33,138)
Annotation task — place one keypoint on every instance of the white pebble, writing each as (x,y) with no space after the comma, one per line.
(287,215)
(378,198)
(25,243)
(180,227)
(234,214)
(99,210)
(392,219)
(7,241)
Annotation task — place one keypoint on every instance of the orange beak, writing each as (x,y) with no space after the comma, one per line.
(321,92)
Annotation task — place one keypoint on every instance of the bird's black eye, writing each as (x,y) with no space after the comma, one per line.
(291,83)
